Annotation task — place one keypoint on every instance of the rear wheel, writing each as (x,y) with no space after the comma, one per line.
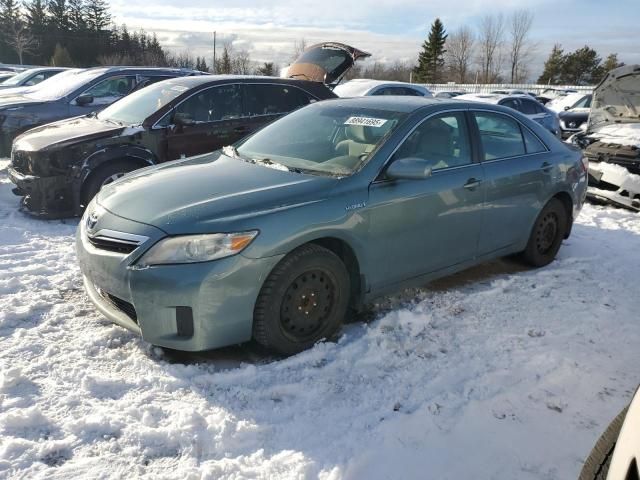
(105,175)
(547,234)
(303,300)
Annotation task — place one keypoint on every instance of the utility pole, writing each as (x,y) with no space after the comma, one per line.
(214,52)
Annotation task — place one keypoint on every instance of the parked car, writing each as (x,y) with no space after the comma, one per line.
(611,140)
(512,91)
(6,75)
(31,77)
(45,84)
(81,92)
(326,208)
(561,104)
(361,87)
(550,93)
(522,103)
(449,93)
(574,118)
(616,455)
(59,167)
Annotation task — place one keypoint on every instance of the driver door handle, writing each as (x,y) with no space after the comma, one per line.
(472,183)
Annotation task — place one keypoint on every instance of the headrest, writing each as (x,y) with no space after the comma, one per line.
(357,133)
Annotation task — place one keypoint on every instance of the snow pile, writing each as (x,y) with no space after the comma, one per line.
(622,134)
(500,372)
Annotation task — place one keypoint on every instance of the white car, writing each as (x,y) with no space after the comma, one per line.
(525,104)
(362,87)
(566,102)
(616,455)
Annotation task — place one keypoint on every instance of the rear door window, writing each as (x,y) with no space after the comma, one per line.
(272,99)
(511,103)
(528,107)
(531,142)
(500,136)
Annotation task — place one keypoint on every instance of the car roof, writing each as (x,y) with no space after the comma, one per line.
(194,81)
(402,104)
(102,70)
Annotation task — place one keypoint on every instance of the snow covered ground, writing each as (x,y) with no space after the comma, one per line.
(496,373)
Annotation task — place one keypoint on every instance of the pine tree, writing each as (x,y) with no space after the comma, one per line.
(9,20)
(98,16)
(59,15)
(430,68)
(581,67)
(553,66)
(224,65)
(77,15)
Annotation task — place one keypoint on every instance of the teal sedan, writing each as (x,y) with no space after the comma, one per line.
(279,236)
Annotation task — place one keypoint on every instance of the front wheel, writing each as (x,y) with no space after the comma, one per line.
(547,234)
(103,176)
(303,300)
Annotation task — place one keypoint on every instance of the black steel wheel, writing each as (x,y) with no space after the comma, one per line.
(303,300)
(547,234)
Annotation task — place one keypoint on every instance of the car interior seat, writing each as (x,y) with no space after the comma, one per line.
(358,141)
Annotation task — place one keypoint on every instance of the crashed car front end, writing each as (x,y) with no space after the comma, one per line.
(611,141)
(43,180)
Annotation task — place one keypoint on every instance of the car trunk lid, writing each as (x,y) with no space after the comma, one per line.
(325,62)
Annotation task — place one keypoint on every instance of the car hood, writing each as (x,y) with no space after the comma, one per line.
(208,193)
(325,62)
(14,100)
(66,132)
(616,99)
(574,114)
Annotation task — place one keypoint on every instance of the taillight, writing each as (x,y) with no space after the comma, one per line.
(585,164)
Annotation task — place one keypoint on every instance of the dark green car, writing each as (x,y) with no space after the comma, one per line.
(276,238)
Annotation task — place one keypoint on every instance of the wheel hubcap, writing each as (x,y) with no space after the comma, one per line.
(546,232)
(112,178)
(307,304)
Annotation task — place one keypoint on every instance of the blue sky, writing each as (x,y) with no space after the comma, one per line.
(388,29)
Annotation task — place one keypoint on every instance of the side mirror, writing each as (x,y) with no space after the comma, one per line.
(567,108)
(409,168)
(183,120)
(84,100)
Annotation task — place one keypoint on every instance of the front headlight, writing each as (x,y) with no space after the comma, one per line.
(196,248)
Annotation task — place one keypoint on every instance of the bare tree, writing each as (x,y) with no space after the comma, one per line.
(299,46)
(519,48)
(19,38)
(490,43)
(241,63)
(459,52)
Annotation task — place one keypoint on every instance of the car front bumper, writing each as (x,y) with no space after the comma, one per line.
(614,184)
(50,197)
(189,307)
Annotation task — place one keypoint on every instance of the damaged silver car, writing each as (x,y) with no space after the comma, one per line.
(611,141)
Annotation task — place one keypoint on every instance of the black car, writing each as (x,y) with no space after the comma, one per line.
(58,168)
(575,117)
(31,77)
(79,93)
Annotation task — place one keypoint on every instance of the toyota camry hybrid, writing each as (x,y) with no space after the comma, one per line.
(277,236)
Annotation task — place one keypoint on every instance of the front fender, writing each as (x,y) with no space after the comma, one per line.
(140,155)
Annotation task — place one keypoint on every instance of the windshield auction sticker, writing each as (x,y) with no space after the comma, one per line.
(365,121)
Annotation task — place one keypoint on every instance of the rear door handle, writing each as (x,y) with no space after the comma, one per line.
(546,167)
(472,183)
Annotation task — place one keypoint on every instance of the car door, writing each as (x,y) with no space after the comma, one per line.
(102,94)
(516,174)
(421,226)
(206,121)
(537,113)
(266,102)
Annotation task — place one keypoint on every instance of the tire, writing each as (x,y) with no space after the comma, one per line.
(597,464)
(547,234)
(104,175)
(303,300)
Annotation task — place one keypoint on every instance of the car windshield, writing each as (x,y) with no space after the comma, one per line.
(322,139)
(63,84)
(135,108)
(17,79)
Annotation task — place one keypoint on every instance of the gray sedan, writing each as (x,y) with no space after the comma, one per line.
(276,238)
